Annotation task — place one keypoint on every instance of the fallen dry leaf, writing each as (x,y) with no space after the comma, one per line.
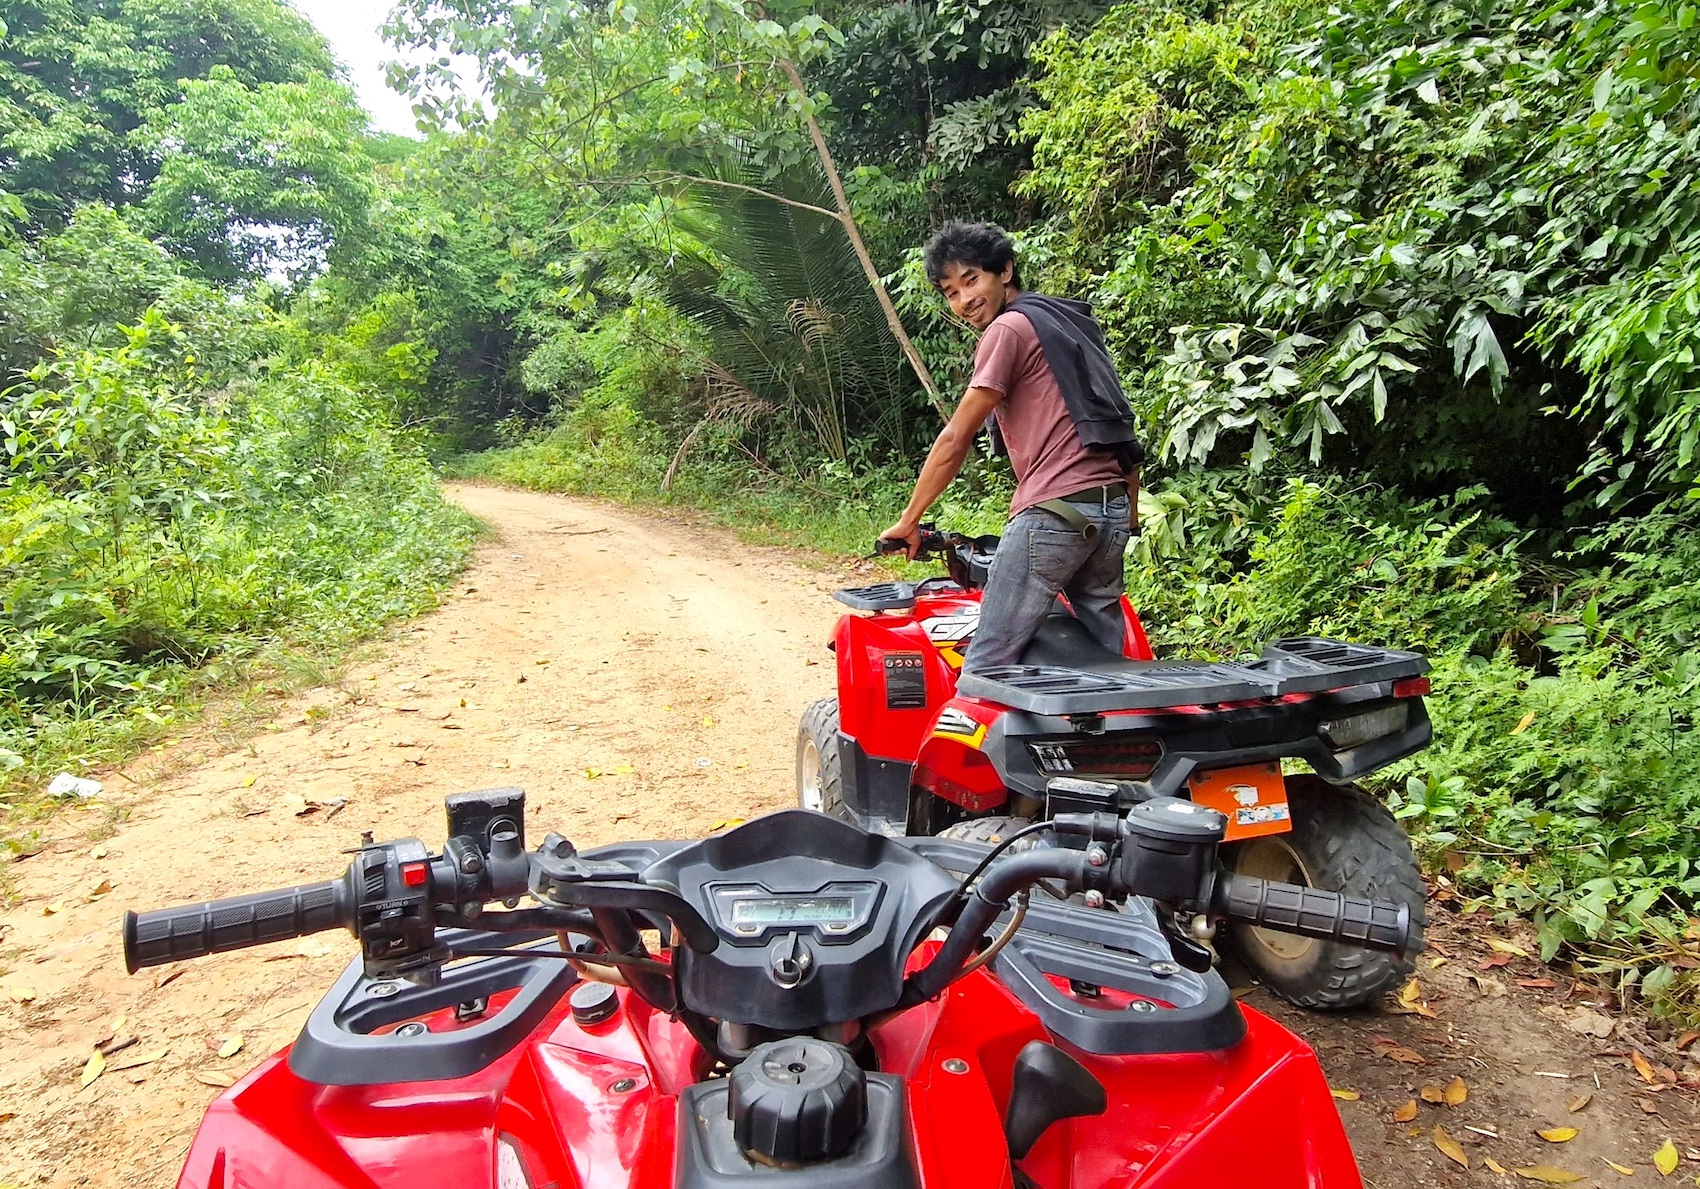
(170,976)
(98,853)
(1493,960)
(1500,946)
(1622,1168)
(1665,1159)
(21,994)
(1549,1175)
(1495,1166)
(1577,1103)
(1405,1056)
(1643,1067)
(1557,1135)
(214,1077)
(97,1064)
(1686,1039)
(1457,1093)
(1536,984)
(56,906)
(1345,1095)
(1449,1147)
(1589,1022)
(139,1060)
(1406,1113)
(1647,1105)
(230,1047)
(101,889)
(1432,1094)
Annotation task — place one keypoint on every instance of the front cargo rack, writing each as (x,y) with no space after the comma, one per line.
(1299,665)
(882,596)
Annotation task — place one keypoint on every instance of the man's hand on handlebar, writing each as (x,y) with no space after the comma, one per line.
(908,536)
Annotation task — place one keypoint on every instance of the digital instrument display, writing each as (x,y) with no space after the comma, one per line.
(794,910)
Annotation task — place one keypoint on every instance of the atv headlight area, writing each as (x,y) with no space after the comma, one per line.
(1343,734)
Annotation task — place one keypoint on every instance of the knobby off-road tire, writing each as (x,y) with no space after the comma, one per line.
(1343,840)
(820,769)
(989,831)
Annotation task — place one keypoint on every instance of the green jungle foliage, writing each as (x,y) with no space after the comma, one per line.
(194,480)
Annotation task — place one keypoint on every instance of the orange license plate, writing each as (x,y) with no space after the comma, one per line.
(1254,798)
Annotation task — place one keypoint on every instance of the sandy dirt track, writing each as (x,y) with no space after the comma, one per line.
(639,678)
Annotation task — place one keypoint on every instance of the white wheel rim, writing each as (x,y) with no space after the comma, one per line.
(1272,858)
(808,777)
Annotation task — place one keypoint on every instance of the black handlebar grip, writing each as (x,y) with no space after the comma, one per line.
(1312,912)
(890,545)
(190,930)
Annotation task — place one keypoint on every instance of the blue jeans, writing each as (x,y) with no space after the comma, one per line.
(1039,557)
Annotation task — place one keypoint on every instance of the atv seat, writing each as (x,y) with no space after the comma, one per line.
(1062,642)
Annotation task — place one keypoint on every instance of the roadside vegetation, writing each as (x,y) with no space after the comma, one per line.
(1406,296)
(193,488)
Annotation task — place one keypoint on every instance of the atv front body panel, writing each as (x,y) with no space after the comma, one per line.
(911,725)
(1199,1088)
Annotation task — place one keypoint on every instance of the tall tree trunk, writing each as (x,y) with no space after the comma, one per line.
(848,220)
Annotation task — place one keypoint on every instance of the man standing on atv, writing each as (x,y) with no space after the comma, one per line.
(1042,371)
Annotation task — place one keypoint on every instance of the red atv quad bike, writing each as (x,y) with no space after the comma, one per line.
(911,746)
(771,1007)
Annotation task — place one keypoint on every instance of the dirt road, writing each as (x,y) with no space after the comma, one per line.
(639,678)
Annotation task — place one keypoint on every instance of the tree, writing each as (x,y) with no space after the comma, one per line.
(255,178)
(662,95)
(79,77)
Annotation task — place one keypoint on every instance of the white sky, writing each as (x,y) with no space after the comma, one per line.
(351,26)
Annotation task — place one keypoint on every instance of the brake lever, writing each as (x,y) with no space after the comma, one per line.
(1187,952)
(567,881)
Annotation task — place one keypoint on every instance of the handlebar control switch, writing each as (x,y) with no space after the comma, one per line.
(797,1102)
(394,917)
(1169,852)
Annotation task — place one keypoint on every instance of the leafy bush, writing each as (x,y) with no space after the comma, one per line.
(150,525)
(1561,780)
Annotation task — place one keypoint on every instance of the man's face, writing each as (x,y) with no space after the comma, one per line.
(975,294)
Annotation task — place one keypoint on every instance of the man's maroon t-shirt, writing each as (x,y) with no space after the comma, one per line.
(1044,448)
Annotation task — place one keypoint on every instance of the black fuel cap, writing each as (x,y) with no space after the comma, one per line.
(593,1002)
(797,1101)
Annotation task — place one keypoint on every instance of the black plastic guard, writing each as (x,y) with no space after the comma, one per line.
(876,791)
(882,596)
(338,1047)
(1119,948)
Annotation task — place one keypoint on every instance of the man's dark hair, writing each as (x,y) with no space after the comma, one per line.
(983,245)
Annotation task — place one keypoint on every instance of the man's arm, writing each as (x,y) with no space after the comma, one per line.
(944,461)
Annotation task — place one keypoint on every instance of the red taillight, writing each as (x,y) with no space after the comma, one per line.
(1411,687)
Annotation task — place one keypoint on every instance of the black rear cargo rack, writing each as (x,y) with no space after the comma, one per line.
(1293,666)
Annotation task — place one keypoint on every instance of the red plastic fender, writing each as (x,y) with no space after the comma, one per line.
(866,647)
(951,763)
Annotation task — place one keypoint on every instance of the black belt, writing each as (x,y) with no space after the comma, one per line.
(1064,507)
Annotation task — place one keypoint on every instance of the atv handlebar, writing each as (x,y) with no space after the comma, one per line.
(191,930)
(932,541)
(395,895)
(1313,912)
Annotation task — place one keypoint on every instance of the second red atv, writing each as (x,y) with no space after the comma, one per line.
(911,746)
